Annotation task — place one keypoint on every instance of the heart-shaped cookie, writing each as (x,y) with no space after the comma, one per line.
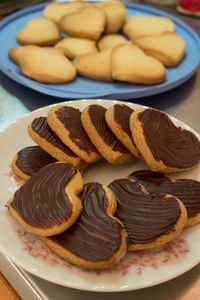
(95,65)
(187,190)
(42,134)
(47,203)
(94,123)
(56,11)
(117,117)
(140,25)
(73,47)
(129,63)
(65,121)
(110,41)
(169,48)
(149,219)
(87,23)
(164,147)
(115,15)
(47,65)
(98,239)
(29,161)
(39,31)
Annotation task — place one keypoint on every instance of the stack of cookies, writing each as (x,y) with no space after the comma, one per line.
(142,211)
(97,41)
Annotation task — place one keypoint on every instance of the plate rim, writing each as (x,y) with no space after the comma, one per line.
(39,274)
(152,90)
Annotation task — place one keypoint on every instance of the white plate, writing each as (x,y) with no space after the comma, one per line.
(137,270)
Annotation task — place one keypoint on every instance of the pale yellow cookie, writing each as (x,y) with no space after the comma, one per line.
(87,23)
(117,118)
(65,121)
(115,15)
(164,147)
(46,65)
(56,11)
(47,203)
(95,65)
(73,47)
(97,240)
(40,32)
(140,25)
(130,64)
(110,41)
(169,48)
(94,123)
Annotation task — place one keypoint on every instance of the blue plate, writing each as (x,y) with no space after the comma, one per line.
(86,88)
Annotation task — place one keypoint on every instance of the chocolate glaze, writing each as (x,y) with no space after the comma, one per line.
(122,115)
(187,190)
(70,117)
(41,127)
(176,147)
(31,159)
(97,117)
(42,201)
(145,216)
(95,236)
(149,179)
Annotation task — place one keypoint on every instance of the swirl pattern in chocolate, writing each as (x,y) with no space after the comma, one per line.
(97,117)
(95,236)
(176,147)
(42,201)
(70,117)
(31,159)
(41,127)
(145,216)
(187,190)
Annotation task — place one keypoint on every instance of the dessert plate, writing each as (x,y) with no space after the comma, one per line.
(137,270)
(83,87)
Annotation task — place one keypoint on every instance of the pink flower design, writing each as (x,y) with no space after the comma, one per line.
(139,260)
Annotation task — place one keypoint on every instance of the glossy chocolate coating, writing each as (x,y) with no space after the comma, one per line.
(97,117)
(122,115)
(149,179)
(187,190)
(176,147)
(95,236)
(41,127)
(70,117)
(31,159)
(145,216)
(42,202)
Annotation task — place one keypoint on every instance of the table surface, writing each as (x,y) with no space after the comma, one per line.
(183,103)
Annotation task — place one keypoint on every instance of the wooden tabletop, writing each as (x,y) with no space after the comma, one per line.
(6,290)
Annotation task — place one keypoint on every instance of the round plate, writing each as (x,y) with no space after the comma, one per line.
(83,87)
(137,270)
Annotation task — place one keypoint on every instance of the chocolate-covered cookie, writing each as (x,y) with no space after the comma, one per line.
(94,123)
(29,161)
(149,219)
(117,118)
(187,190)
(47,203)
(65,121)
(97,240)
(164,147)
(44,136)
